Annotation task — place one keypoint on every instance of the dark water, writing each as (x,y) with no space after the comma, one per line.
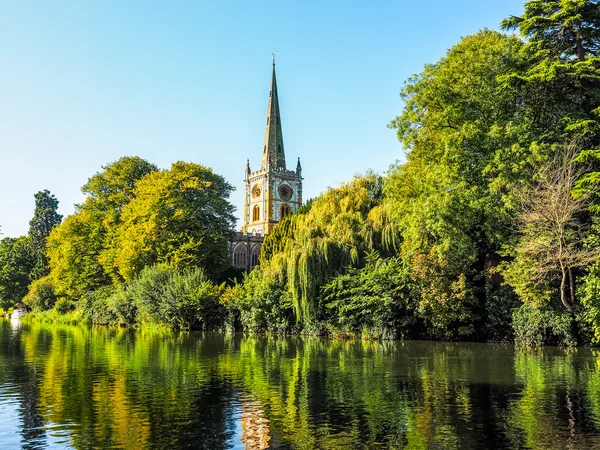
(70,387)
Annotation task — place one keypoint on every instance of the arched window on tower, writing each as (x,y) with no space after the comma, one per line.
(256,213)
(285,210)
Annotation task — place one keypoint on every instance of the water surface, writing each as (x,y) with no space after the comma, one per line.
(72,387)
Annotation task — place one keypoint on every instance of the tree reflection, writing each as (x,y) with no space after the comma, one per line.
(154,389)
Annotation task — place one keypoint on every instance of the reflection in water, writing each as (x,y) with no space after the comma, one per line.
(96,387)
(255,427)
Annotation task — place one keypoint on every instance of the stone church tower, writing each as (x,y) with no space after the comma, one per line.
(271,192)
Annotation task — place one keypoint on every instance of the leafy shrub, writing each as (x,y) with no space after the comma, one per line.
(229,300)
(500,305)
(63,306)
(264,304)
(589,296)
(184,300)
(41,294)
(96,306)
(123,305)
(374,301)
(447,301)
(543,326)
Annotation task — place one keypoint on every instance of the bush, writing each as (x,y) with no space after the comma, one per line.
(535,326)
(122,304)
(96,306)
(589,309)
(500,305)
(63,306)
(264,304)
(184,300)
(374,301)
(41,294)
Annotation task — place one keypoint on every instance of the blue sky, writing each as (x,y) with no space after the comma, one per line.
(84,83)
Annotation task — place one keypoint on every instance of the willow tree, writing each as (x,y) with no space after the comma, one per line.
(323,242)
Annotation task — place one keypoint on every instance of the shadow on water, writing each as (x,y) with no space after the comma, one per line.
(95,387)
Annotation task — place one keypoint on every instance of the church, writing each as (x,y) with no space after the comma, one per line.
(271,192)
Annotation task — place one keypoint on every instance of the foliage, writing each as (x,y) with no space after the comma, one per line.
(179,217)
(16,264)
(447,299)
(558,29)
(96,308)
(547,325)
(589,296)
(277,240)
(63,306)
(334,234)
(78,247)
(178,299)
(552,232)
(41,295)
(374,301)
(6,312)
(263,303)
(501,303)
(135,216)
(452,200)
(563,79)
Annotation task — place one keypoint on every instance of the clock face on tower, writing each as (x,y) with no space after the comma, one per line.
(285,192)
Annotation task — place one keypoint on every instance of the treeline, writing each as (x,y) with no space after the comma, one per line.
(488,231)
(146,245)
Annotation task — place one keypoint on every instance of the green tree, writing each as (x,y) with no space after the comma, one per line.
(80,249)
(73,250)
(45,218)
(561,29)
(16,265)
(375,301)
(41,295)
(563,79)
(468,147)
(181,217)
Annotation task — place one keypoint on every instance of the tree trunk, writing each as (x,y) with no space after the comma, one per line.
(572,286)
(580,49)
(563,287)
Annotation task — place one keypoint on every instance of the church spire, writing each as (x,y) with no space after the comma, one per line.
(273,152)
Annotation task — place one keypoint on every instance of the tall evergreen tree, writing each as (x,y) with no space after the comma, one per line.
(45,218)
(563,81)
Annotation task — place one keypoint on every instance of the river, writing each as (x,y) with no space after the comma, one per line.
(77,387)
